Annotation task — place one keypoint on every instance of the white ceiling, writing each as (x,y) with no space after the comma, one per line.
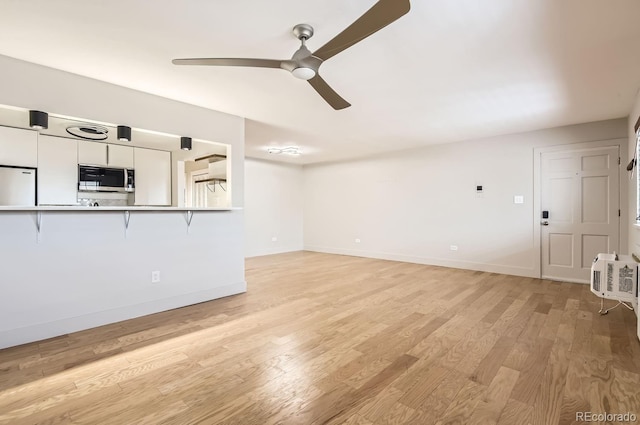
(446,71)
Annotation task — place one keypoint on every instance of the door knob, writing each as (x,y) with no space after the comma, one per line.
(544,223)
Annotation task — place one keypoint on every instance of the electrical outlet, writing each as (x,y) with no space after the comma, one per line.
(453,247)
(155,276)
(274,239)
(357,240)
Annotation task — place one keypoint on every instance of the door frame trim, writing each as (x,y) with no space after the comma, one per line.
(621,144)
(192,175)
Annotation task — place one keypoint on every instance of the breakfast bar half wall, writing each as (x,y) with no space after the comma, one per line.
(73,268)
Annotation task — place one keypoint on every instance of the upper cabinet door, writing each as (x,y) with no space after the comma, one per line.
(120,156)
(57,171)
(105,155)
(153,177)
(92,153)
(18,147)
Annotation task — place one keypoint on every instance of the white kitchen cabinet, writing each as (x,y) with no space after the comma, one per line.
(153,177)
(92,153)
(57,171)
(105,155)
(120,156)
(18,147)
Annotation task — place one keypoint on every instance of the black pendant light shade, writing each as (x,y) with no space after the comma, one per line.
(38,120)
(185,143)
(124,133)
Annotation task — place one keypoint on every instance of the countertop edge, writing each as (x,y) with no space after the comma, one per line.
(103,209)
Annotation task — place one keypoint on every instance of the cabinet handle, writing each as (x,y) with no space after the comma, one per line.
(107,154)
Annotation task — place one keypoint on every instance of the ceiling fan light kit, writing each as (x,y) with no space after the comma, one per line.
(304,73)
(304,64)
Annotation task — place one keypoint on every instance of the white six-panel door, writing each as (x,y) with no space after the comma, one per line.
(579,189)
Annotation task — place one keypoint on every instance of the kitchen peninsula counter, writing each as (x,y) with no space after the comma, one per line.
(132,208)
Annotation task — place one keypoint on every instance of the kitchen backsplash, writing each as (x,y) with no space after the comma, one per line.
(90,202)
(105,199)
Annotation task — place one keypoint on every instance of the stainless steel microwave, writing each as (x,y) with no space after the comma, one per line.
(102,179)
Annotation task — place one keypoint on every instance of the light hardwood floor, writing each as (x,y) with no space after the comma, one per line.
(327,339)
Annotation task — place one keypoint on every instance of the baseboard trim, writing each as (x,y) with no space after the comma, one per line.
(41,331)
(563,279)
(282,250)
(466,265)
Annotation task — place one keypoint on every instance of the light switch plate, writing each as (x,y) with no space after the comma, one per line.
(518,199)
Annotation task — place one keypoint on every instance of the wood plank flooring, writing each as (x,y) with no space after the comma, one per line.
(328,339)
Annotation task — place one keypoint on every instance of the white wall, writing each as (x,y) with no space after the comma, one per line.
(634,229)
(273,207)
(84,270)
(634,233)
(413,205)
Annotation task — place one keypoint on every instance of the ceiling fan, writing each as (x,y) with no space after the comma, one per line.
(304,64)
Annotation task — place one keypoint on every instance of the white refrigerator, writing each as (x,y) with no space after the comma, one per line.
(17,187)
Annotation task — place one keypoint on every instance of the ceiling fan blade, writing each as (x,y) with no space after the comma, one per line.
(379,16)
(259,63)
(328,93)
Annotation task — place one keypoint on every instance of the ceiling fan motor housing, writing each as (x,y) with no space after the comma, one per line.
(303,64)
